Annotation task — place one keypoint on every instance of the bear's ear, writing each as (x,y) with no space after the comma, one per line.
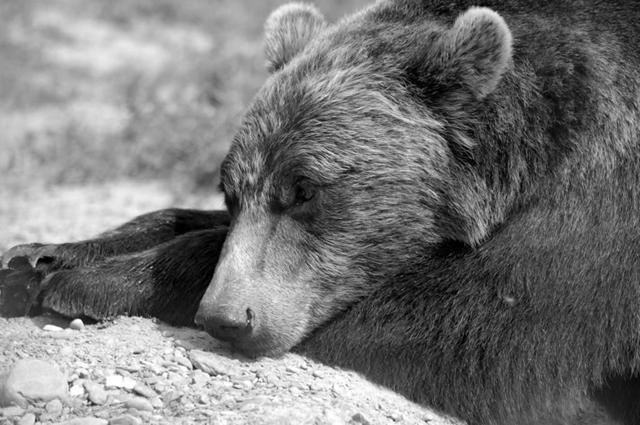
(472,55)
(480,46)
(288,30)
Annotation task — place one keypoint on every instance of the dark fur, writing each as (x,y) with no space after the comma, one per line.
(445,205)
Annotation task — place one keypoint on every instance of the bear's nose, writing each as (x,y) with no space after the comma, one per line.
(226,325)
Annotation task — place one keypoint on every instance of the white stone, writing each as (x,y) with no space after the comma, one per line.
(52,328)
(76,324)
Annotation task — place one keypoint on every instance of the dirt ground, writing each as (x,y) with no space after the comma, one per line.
(187,376)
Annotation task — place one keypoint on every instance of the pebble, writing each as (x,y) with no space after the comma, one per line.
(114,381)
(118,381)
(32,379)
(129,383)
(52,328)
(28,419)
(200,378)
(332,417)
(211,363)
(11,411)
(317,374)
(76,325)
(184,362)
(132,368)
(83,373)
(54,407)
(395,416)
(89,420)
(76,390)
(139,403)
(359,418)
(74,402)
(96,393)
(244,384)
(66,351)
(219,387)
(247,406)
(144,391)
(125,420)
(292,369)
(171,396)
(60,335)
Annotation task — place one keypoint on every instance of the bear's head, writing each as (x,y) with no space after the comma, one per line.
(342,174)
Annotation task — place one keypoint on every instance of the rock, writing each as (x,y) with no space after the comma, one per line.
(32,379)
(156,402)
(171,396)
(139,403)
(128,383)
(144,391)
(330,417)
(76,325)
(114,381)
(76,390)
(54,407)
(220,387)
(66,351)
(184,362)
(200,378)
(292,369)
(125,420)
(253,403)
(96,394)
(28,419)
(211,363)
(74,403)
(83,373)
(244,384)
(52,328)
(118,381)
(89,420)
(317,374)
(359,418)
(11,411)
(132,368)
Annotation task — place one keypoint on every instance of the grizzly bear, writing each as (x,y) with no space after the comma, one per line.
(443,197)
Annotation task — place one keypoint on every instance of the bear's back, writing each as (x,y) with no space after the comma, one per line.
(620,18)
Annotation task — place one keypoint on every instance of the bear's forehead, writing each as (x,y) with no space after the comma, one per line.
(343,85)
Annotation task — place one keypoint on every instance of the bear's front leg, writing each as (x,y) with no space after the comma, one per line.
(141,233)
(166,281)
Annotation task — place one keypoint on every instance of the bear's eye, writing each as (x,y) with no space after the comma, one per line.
(304,192)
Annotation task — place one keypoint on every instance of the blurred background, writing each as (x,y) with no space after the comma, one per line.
(113,108)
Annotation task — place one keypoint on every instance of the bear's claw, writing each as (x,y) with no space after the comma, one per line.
(33,253)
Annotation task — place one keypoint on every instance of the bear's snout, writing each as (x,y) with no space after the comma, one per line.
(226,324)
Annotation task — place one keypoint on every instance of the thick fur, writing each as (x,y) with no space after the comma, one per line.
(443,197)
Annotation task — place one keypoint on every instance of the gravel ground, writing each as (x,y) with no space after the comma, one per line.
(158,374)
(135,370)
